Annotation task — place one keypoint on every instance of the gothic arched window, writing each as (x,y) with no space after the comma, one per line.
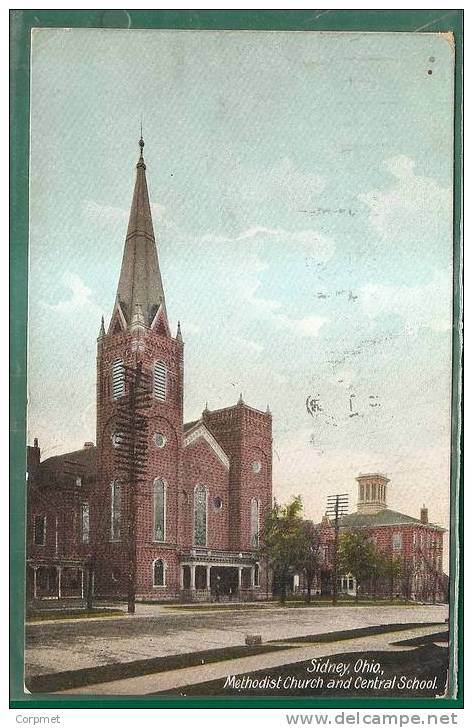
(116,510)
(158,573)
(200,515)
(159,381)
(254,523)
(256,572)
(159,510)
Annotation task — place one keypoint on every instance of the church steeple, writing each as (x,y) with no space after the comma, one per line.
(140,281)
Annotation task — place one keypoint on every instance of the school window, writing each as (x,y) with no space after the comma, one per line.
(39,530)
(159,500)
(158,572)
(159,381)
(84,522)
(118,379)
(116,510)
(397,541)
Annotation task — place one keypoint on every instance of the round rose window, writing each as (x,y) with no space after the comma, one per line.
(117,439)
(159,439)
(256,466)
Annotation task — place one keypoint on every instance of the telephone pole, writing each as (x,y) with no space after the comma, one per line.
(131,458)
(337,506)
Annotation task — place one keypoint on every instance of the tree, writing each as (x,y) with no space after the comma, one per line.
(309,553)
(358,556)
(393,571)
(386,570)
(282,540)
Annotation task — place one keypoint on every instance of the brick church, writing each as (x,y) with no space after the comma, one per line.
(198,507)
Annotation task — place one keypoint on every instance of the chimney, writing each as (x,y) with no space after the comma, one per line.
(424,514)
(33,458)
(88,445)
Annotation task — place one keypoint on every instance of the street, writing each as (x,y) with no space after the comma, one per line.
(158,630)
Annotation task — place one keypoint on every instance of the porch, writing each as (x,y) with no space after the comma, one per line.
(219,576)
(56,580)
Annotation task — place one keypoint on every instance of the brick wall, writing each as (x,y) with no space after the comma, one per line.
(245,434)
(162,462)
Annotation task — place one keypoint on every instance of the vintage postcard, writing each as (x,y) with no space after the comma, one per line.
(243,365)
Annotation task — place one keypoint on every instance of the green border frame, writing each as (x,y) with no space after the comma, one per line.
(21,23)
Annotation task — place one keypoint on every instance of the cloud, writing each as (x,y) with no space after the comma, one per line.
(79,299)
(311,242)
(189,328)
(104,215)
(236,264)
(427,305)
(282,183)
(308,326)
(263,239)
(271,310)
(248,344)
(158,211)
(414,207)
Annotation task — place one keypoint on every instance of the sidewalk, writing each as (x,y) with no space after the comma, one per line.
(178,679)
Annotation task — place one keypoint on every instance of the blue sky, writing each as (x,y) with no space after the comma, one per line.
(301,186)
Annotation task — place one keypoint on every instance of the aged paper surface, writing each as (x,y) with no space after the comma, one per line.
(240,292)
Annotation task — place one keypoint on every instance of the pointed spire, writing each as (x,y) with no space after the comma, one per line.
(102,328)
(179,334)
(268,411)
(240,399)
(140,278)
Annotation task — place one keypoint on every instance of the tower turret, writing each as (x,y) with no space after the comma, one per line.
(372,492)
(139,333)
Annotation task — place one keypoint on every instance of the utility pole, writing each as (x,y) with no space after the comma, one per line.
(74,473)
(337,506)
(434,570)
(132,424)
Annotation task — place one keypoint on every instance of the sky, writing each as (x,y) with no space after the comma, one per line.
(301,190)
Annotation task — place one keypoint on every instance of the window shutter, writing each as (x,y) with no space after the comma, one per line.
(118,379)
(159,381)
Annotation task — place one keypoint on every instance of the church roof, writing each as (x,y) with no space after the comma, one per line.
(190,425)
(140,283)
(63,470)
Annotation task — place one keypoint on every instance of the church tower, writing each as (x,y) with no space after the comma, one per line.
(139,332)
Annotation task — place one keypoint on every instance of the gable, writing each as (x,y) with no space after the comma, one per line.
(118,321)
(201,432)
(160,322)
